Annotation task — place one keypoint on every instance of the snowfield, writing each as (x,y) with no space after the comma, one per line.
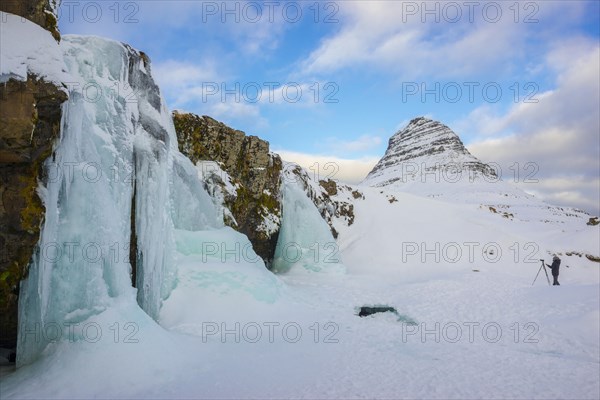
(465,334)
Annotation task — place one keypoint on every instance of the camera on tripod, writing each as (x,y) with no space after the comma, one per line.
(543,266)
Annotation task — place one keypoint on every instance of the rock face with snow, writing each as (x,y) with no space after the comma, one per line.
(307,235)
(40,12)
(248,180)
(254,203)
(30,115)
(423,151)
(333,200)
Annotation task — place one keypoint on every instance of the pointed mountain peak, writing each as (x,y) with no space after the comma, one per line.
(422,147)
(419,121)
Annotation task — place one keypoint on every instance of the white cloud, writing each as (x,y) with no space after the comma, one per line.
(198,21)
(248,32)
(560,134)
(324,167)
(575,191)
(197,88)
(232,111)
(385,35)
(361,144)
(290,93)
(373,35)
(176,76)
(208,87)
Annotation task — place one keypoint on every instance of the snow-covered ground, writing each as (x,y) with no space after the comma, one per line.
(459,333)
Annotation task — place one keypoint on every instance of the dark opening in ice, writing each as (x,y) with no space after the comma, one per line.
(365,311)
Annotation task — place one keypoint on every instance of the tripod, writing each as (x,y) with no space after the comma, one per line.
(543,266)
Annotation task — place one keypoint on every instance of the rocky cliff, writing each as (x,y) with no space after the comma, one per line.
(249,180)
(254,203)
(30,115)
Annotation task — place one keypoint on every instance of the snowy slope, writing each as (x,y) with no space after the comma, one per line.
(401,231)
(509,330)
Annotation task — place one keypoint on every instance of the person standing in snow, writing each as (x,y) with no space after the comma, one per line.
(555,267)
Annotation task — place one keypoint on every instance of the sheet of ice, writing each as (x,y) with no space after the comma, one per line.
(192,208)
(219,278)
(305,241)
(91,273)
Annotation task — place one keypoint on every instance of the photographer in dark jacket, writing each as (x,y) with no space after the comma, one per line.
(555,267)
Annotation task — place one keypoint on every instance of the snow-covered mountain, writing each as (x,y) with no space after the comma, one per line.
(427,151)
(427,158)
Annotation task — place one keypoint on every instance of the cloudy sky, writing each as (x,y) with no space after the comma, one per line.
(330,81)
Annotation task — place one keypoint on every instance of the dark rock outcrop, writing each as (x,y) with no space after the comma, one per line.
(256,205)
(330,186)
(365,311)
(30,115)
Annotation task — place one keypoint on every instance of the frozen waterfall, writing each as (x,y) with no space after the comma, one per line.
(128,219)
(305,239)
(115,181)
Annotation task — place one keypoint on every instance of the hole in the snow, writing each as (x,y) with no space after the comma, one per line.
(366,311)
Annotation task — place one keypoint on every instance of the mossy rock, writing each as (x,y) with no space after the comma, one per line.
(248,162)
